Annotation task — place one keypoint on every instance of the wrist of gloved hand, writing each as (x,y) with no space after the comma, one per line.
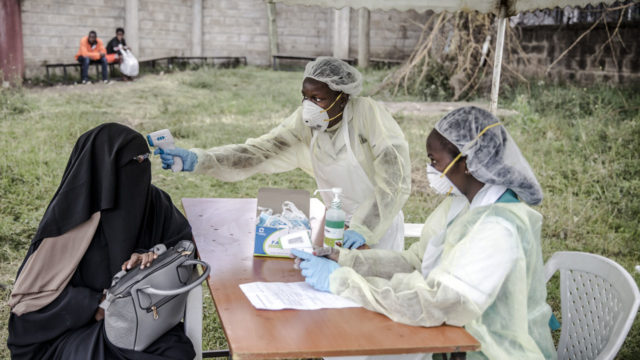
(353,239)
(316,270)
(189,158)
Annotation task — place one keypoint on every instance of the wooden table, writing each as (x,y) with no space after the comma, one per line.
(224,231)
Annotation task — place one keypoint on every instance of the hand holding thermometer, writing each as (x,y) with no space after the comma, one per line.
(164,140)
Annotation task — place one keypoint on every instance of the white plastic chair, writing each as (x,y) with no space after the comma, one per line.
(599,302)
(193,325)
(193,318)
(412,230)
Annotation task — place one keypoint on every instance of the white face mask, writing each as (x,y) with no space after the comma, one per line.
(440,183)
(315,116)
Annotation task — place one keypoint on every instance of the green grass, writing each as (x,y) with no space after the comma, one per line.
(584,145)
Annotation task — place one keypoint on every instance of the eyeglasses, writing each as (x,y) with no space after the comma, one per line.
(142,157)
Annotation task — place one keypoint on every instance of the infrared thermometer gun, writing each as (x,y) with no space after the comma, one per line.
(164,140)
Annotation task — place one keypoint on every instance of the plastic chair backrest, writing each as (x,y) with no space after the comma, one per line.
(599,300)
(412,230)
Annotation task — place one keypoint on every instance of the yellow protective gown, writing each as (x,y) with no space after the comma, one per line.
(376,140)
(490,279)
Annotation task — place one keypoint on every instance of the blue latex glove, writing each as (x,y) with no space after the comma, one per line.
(315,269)
(352,239)
(189,158)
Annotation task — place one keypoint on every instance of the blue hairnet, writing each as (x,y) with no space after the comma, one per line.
(492,156)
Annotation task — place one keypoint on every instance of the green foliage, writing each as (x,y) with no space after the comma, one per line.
(435,84)
(583,144)
(13,102)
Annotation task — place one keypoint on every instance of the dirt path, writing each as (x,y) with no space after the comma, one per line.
(410,108)
(436,108)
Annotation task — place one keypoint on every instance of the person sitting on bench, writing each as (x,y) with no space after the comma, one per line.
(92,51)
(115,47)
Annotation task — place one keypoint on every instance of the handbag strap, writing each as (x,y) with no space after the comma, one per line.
(184,289)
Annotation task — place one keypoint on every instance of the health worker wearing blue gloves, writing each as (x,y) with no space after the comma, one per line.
(478,263)
(340,139)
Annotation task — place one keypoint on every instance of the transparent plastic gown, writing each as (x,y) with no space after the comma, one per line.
(376,140)
(490,279)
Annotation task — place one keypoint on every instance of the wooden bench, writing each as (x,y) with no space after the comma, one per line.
(65,74)
(230,61)
(275,59)
(385,62)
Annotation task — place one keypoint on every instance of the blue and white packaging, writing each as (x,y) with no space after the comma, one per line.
(289,214)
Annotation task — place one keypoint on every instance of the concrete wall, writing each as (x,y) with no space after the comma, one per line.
(52,29)
(588,61)
(236,28)
(164,28)
(393,34)
(304,31)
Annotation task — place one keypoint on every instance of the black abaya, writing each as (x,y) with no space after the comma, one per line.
(102,175)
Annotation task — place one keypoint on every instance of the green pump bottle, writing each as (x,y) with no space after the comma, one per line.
(334,219)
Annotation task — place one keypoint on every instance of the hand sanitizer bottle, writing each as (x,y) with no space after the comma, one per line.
(334,220)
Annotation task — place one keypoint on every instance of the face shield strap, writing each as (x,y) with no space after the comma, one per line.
(335,117)
(330,106)
(451,164)
(333,103)
(468,145)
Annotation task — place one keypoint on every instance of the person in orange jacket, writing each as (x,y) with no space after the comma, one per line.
(92,51)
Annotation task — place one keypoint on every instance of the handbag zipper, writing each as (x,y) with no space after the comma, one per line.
(154,308)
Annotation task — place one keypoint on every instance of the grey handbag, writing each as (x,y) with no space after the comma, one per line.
(141,305)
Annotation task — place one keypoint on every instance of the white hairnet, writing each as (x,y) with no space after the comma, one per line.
(336,73)
(492,157)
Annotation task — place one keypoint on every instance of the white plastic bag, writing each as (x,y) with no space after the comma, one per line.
(129,65)
(291,218)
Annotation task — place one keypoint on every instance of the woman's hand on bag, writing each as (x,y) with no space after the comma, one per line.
(144,260)
(99,315)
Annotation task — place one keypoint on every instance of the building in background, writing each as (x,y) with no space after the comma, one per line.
(51,30)
(159,28)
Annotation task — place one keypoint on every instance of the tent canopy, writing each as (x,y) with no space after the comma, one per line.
(513,7)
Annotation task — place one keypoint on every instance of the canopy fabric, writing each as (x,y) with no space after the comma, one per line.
(484,6)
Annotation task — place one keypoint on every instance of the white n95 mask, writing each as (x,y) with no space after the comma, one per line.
(315,116)
(440,183)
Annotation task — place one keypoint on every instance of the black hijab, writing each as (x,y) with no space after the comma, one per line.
(105,174)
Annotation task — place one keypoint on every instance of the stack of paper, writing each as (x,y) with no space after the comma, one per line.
(295,295)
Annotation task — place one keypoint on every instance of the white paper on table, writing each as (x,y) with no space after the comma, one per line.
(292,295)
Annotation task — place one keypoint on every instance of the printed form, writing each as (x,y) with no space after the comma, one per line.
(293,295)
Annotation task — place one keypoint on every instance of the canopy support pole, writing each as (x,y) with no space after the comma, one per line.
(497,62)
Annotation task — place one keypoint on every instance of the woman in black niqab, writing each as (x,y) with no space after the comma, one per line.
(108,172)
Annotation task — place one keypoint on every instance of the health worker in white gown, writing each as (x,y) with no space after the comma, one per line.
(478,263)
(342,140)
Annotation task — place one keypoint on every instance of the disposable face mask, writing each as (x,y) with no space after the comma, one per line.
(316,117)
(440,183)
